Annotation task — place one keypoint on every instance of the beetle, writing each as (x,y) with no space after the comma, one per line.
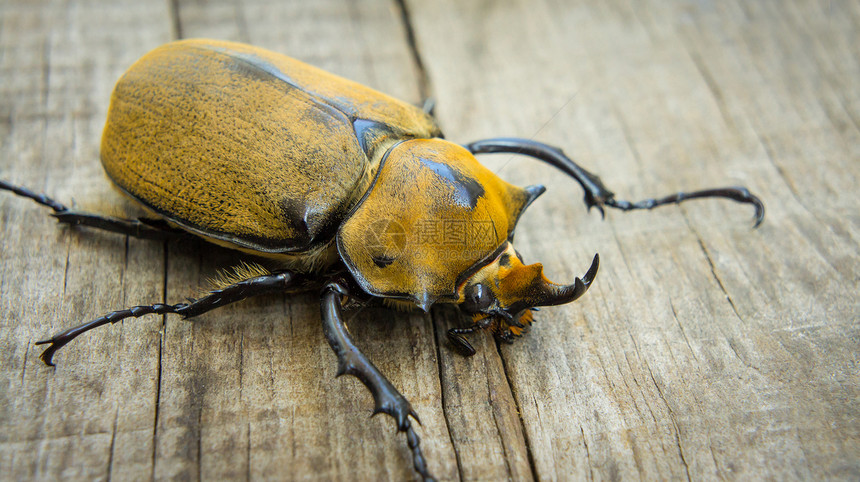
(346,190)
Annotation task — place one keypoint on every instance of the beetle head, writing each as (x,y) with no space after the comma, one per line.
(507,290)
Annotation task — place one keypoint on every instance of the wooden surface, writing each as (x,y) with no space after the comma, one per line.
(705,349)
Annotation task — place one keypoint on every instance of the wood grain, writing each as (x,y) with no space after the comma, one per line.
(704,350)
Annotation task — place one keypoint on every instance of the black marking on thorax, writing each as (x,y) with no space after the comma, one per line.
(467,190)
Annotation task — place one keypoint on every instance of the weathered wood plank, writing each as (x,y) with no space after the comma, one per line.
(58,63)
(705,349)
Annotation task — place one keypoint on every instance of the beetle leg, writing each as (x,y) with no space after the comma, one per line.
(271,283)
(506,336)
(351,361)
(147,229)
(39,198)
(460,343)
(61,339)
(596,194)
(136,228)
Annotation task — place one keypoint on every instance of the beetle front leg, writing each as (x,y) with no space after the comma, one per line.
(146,229)
(351,361)
(596,194)
(271,283)
(460,343)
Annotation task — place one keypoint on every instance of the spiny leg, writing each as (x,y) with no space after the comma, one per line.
(596,194)
(146,229)
(271,283)
(351,361)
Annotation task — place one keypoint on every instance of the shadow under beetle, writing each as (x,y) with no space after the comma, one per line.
(350,191)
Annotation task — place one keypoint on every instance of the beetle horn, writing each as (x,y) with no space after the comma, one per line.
(551,293)
(526,287)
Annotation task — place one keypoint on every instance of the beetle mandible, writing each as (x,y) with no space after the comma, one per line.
(331,181)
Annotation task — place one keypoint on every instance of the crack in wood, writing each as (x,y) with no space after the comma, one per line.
(779,169)
(714,458)
(641,390)
(248,454)
(671,419)
(241,22)
(199,436)
(175,20)
(241,365)
(424,85)
(587,453)
(157,399)
(715,275)
(734,350)
(46,81)
(523,426)
(716,92)
(112,444)
(681,327)
(443,382)
(66,266)
(162,333)
(24,363)
(499,429)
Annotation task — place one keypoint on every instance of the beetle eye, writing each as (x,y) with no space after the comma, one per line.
(477,298)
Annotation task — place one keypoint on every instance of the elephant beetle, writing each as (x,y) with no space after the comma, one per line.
(346,190)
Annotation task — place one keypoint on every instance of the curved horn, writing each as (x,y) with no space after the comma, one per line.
(553,294)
